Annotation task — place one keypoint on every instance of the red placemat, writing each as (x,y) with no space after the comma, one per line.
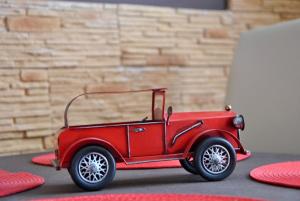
(46,159)
(3,172)
(282,174)
(152,197)
(11,183)
(241,157)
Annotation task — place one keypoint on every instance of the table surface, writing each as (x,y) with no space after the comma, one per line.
(172,180)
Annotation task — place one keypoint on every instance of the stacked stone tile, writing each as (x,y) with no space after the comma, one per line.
(52,51)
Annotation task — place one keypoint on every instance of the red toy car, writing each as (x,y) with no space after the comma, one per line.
(205,143)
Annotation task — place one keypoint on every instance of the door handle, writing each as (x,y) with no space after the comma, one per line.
(138,130)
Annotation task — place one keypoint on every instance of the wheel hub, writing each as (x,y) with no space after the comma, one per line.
(93,167)
(216,159)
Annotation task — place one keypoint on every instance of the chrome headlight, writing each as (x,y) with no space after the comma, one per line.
(239,122)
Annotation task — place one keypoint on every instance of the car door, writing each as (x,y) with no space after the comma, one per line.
(146,139)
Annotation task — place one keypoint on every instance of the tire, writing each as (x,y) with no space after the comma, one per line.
(92,168)
(188,165)
(218,166)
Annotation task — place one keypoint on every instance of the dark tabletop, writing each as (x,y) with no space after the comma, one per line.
(172,180)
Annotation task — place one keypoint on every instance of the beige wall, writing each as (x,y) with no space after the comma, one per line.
(51,51)
(263,86)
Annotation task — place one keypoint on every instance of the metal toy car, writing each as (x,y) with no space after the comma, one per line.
(205,143)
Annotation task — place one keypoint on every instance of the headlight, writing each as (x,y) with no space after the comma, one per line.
(238,122)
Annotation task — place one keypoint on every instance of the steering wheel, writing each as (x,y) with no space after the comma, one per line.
(145,119)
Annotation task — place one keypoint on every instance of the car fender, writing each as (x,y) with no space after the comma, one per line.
(209,133)
(68,154)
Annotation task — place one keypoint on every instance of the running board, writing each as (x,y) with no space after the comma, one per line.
(149,159)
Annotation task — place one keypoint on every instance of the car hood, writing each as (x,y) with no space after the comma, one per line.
(181,116)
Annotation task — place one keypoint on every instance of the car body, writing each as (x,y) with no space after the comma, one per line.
(166,136)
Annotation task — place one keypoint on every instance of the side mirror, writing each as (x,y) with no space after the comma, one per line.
(170,112)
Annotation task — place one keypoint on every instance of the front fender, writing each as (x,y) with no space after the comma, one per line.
(212,133)
(67,156)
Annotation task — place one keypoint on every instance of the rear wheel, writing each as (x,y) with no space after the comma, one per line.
(215,159)
(92,168)
(188,165)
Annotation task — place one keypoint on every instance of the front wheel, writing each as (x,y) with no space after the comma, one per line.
(215,159)
(92,168)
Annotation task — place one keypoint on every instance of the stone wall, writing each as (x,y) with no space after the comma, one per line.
(51,51)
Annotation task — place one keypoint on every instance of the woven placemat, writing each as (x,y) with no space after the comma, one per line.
(282,174)
(152,197)
(11,183)
(241,157)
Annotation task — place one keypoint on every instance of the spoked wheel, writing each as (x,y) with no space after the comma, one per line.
(215,159)
(188,165)
(92,168)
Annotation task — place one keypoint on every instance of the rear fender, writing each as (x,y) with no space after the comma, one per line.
(69,153)
(212,133)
